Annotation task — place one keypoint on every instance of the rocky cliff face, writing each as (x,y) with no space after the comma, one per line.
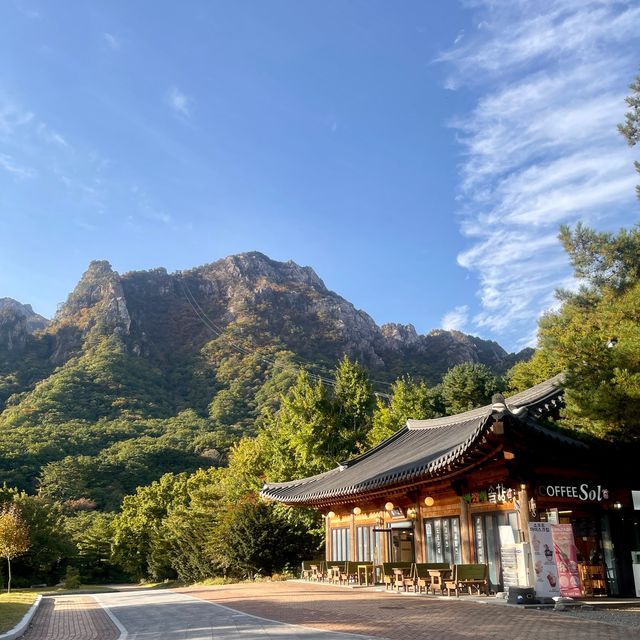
(32,321)
(249,298)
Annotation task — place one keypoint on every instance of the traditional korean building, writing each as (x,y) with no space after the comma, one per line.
(455,488)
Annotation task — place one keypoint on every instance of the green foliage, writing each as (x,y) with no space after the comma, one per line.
(353,404)
(631,127)
(254,539)
(138,529)
(467,386)
(104,382)
(409,399)
(524,375)
(71,578)
(598,348)
(48,542)
(91,534)
(602,260)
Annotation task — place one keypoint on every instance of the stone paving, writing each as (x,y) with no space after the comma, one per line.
(71,618)
(398,617)
(320,612)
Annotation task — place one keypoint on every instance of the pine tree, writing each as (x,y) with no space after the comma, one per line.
(631,127)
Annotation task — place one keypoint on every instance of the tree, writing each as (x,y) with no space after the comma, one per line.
(409,399)
(597,345)
(138,528)
(631,127)
(254,539)
(601,261)
(14,536)
(467,386)
(528,373)
(353,405)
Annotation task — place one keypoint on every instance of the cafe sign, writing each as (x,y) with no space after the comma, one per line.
(498,494)
(584,492)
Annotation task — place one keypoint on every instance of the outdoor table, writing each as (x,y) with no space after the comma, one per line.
(438,576)
(398,578)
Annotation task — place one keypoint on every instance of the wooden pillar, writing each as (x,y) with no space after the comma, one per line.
(466,533)
(354,543)
(418,535)
(327,538)
(523,514)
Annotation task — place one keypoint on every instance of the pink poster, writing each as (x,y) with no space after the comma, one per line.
(566,556)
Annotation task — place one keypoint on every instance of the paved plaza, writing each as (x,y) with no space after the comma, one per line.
(300,611)
(71,618)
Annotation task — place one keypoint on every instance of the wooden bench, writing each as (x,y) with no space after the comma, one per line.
(468,576)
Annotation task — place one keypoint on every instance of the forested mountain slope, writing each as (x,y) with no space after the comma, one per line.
(159,371)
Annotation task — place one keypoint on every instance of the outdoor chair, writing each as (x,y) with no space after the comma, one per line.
(318,572)
(468,576)
(389,573)
(335,571)
(350,573)
(424,580)
(307,571)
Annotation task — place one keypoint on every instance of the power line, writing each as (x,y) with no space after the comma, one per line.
(204,318)
(218,331)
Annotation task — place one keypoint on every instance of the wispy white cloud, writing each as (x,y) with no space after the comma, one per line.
(540,146)
(456,318)
(112,41)
(13,118)
(179,102)
(147,209)
(7,163)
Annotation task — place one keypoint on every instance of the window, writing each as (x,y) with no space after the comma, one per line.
(340,543)
(365,543)
(442,540)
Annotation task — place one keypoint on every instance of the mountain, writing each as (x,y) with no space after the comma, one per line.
(33,321)
(145,355)
(238,304)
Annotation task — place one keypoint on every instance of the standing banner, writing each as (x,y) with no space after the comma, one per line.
(566,556)
(544,564)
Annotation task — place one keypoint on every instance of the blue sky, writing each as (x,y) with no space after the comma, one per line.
(419,159)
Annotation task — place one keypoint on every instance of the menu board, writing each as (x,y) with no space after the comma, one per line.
(544,564)
(566,557)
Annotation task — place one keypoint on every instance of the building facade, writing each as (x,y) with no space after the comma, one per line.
(464,488)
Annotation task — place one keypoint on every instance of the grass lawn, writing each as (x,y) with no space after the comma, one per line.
(13,606)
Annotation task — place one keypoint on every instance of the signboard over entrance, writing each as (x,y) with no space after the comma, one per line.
(584,492)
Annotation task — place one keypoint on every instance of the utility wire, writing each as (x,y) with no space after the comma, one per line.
(218,331)
(202,316)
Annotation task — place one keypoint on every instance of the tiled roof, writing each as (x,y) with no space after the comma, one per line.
(423,448)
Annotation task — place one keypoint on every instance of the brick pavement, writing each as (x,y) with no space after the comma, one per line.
(71,618)
(399,617)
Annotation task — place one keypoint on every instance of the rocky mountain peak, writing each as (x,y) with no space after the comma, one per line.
(33,321)
(404,334)
(97,304)
(255,268)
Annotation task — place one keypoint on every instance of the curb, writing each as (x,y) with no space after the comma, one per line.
(123,632)
(21,627)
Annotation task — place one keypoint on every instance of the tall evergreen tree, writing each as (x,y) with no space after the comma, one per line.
(631,127)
